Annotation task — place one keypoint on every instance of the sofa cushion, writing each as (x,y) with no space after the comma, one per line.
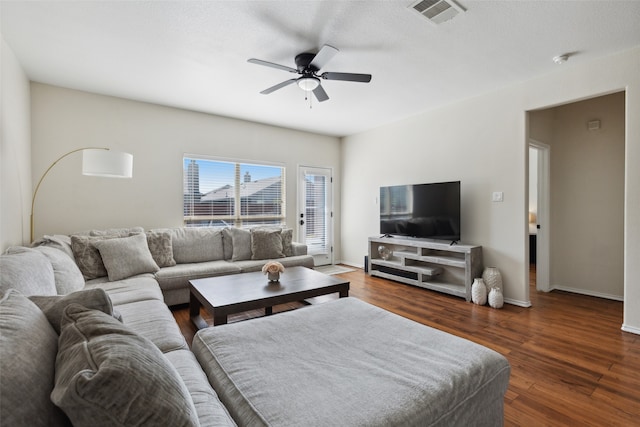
(266,243)
(57,241)
(117,232)
(292,261)
(67,275)
(196,244)
(28,347)
(108,375)
(211,412)
(53,306)
(137,288)
(161,248)
(29,272)
(179,275)
(241,242)
(154,321)
(126,256)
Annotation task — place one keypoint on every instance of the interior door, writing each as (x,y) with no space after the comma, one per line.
(543,213)
(315,213)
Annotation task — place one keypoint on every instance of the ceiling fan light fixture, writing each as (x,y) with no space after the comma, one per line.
(308,83)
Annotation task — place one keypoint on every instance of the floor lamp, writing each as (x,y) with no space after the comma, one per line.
(95,162)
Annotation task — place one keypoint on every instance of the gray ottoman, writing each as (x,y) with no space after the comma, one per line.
(348,363)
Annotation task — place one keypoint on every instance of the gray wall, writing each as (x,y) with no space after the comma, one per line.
(158,137)
(15,151)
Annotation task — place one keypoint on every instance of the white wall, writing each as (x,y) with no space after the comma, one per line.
(483,142)
(157,136)
(15,151)
(587,195)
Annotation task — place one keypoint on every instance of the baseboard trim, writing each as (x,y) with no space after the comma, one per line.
(588,293)
(519,303)
(630,329)
(352,264)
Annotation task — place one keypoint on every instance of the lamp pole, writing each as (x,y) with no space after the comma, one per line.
(35,192)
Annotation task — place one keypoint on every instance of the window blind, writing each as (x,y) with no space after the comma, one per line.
(219,193)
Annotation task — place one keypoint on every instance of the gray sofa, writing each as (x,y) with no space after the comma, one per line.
(179,254)
(65,348)
(136,276)
(109,352)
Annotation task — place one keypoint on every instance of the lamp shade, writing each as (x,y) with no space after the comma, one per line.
(107,163)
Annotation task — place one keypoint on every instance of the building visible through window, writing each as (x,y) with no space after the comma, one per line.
(221,193)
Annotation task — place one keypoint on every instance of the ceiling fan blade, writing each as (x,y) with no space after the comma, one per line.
(278,86)
(320,94)
(272,65)
(326,53)
(348,77)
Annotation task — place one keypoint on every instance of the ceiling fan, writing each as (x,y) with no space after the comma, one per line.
(308,65)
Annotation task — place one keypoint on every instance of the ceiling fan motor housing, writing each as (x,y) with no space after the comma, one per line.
(303,63)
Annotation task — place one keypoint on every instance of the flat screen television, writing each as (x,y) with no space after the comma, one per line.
(421,210)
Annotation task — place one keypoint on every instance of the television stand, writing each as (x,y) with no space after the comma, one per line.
(431,264)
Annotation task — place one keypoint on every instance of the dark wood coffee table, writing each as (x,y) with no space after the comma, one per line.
(225,295)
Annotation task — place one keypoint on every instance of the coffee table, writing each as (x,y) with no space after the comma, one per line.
(235,293)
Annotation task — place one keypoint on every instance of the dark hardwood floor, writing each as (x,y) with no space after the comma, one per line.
(570,362)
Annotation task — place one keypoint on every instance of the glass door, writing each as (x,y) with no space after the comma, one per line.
(315,213)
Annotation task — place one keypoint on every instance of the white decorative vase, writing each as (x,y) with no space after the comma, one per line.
(478,292)
(496,300)
(274,277)
(492,278)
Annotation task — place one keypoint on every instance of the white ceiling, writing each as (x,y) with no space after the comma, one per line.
(193,54)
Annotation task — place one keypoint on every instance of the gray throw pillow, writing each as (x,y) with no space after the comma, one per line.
(241,244)
(161,248)
(126,256)
(94,299)
(108,375)
(266,243)
(287,241)
(87,255)
(28,348)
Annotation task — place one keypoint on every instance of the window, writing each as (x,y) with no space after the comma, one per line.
(224,193)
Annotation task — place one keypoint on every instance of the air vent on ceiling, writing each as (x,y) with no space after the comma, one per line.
(436,11)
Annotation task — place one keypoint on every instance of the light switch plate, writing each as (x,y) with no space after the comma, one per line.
(498,196)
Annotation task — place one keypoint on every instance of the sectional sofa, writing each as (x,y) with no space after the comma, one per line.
(82,351)
(176,255)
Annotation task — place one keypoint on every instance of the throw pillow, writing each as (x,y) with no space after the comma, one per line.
(266,243)
(287,239)
(241,244)
(196,244)
(94,299)
(87,255)
(108,375)
(30,272)
(126,256)
(161,248)
(28,347)
(67,274)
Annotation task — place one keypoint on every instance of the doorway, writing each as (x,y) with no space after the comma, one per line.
(581,210)
(538,212)
(315,213)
